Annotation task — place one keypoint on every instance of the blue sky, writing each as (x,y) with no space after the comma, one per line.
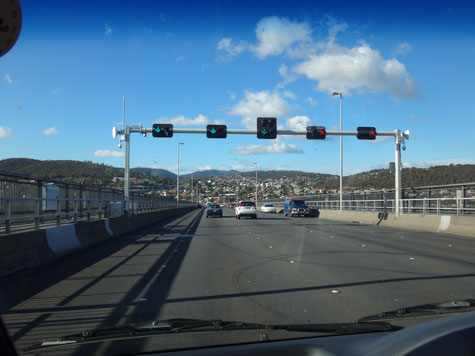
(408,65)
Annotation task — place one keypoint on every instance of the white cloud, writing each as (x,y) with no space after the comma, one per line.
(203,168)
(231,50)
(232,96)
(108,29)
(287,77)
(7,78)
(50,131)
(275,146)
(289,94)
(108,153)
(403,48)
(334,29)
(277,35)
(181,120)
(259,104)
(5,132)
(359,68)
(298,123)
(311,101)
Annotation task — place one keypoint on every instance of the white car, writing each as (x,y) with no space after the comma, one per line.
(245,208)
(268,208)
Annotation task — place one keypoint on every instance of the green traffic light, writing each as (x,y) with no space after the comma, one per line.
(213,130)
(264,131)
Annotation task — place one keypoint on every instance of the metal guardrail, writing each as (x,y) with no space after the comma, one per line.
(426,206)
(72,211)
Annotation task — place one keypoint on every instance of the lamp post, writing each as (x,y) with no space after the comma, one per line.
(178,173)
(255,163)
(192,191)
(341,153)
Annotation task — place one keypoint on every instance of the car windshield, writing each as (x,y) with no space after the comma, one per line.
(271,162)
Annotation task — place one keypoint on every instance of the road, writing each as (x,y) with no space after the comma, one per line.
(274,269)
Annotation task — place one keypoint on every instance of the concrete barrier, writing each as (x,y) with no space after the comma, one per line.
(29,249)
(62,239)
(460,225)
(23,250)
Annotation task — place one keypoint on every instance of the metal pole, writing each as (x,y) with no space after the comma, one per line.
(192,191)
(127,168)
(397,161)
(341,156)
(178,174)
(256,184)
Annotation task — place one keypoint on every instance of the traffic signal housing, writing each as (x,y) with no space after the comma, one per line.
(316,132)
(366,133)
(162,130)
(266,127)
(216,131)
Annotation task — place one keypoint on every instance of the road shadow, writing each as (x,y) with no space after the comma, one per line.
(153,286)
(22,286)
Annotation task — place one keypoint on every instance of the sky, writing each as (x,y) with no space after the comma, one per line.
(404,65)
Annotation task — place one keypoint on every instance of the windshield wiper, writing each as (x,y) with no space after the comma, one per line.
(451,307)
(171,326)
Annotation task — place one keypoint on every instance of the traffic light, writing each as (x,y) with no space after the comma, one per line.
(366,133)
(316,132)
(216,131)
(266,127)
(162,130)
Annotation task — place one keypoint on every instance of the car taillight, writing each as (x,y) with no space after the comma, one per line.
(208,210)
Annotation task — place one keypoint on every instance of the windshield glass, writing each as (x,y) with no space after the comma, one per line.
(143,143)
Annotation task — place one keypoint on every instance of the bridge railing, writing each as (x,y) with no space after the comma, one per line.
(33,215)
(438,206)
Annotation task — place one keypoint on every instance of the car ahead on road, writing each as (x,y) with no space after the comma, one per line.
(214,210)
(296,207)
(268,208)
(246,208)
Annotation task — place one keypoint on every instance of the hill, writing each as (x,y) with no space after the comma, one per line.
(82,172)
(288,174)
(210,173)
(155,172)
(411,177)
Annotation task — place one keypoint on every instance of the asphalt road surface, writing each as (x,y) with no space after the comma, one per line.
(274,269)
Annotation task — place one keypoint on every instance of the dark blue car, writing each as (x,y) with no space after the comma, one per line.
(296,207)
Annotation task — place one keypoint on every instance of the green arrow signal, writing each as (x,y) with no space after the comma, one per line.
(157,129)
(264,131)
(213,130)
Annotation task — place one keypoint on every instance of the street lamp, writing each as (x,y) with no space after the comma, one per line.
(178,175)
(341,153)
(255,163)
(192,191)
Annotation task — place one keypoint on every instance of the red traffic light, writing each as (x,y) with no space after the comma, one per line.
(366,133)
(316,132)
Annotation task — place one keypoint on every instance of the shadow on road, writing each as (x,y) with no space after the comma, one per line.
(20,287)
